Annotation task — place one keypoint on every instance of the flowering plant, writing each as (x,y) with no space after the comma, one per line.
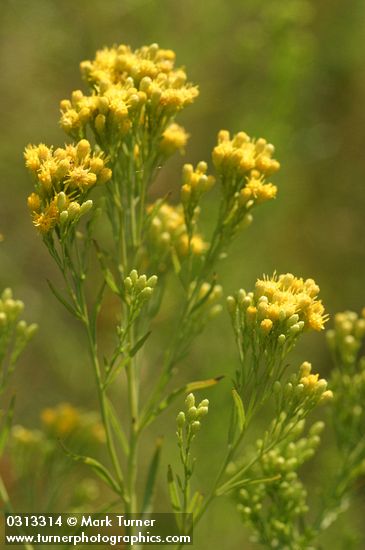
(123,130)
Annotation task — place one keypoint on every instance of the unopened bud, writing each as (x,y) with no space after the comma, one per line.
(195,427)
(180,419)
(190,400)
(86,206)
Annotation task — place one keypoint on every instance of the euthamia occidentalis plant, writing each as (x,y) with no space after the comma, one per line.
(15,334)
(123,130)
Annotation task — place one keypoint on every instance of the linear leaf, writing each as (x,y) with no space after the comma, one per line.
(201,384)
(240,411)
(195,503)
(120,435)
(61,299)
(5,430)
(151,478)
(238,418)
(96,466)
(139,344)
(174,497)
(192,386)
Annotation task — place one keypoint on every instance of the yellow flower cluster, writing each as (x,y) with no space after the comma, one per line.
(168,233)
(106,111)
(347,336)
(195,182)
(289,300)
(25,437)
(312,385)
(140,86)
(61,420)
(243,164)
(281,306)
(64,420)
(63,178)
(173,139)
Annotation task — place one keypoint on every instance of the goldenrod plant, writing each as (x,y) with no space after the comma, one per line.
(123,129)
(15,333)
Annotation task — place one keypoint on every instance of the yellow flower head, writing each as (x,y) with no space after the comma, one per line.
(173,139)
(167,233)
(243,156)
(61,176)
(291,300)
(128,87)
(62,420)
(195,182)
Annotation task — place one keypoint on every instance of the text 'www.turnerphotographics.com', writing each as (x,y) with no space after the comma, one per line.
(96,529)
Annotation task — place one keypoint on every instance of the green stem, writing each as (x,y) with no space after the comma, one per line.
(131,372)
(104,410)
(132,460)
(8,508)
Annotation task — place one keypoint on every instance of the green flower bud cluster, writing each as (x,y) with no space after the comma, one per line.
(14,333)
(303,391)
(349,409)
(191,418)
(138,289)
(71,212)
(279,502)
(348,381)
(345,341)
(347,336)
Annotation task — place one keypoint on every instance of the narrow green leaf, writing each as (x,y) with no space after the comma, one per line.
(238,418)
(241,417)
(202,384)
(195,504)
(139,344)
(110,281)
(114,371)
(151,478)
(5,430)
(198,385)
(227,487)
(101,471)
(118,430)
(174,497)
(175,262)
(61,299)
(179,482)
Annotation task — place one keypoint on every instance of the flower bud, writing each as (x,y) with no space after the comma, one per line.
(202,411)
(73,210)
(63,217)
(195,427)
(231,304)
(86,206)
(190,400)
(180,419)
(152,281)
(192,413)
(146,293)
(134,276)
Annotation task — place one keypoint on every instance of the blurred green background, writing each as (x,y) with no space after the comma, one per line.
(292,71)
